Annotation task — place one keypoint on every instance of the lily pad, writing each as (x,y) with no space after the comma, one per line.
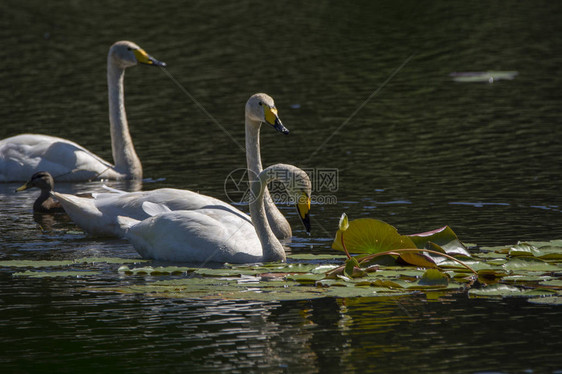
(530,264)
(444,237)
(367,235)
(496,290)
(550,300)
(547,252)
(149,270)
(35,263)
(51,274)
(433,277)
(483,76)
(109,260)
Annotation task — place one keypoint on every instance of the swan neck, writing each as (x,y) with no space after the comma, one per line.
(124,155)
(253,157)
(272,248)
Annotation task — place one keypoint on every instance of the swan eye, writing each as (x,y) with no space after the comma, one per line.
(260,103)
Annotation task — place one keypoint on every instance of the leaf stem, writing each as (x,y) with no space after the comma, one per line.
(396,252)
(344,248)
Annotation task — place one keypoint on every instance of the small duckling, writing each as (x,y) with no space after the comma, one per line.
(45,202)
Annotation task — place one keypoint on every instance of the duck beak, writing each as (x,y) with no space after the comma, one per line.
(23,188)
(146,59)
(272,118)
(303,207)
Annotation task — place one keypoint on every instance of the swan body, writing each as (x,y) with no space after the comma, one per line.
(212,235)
(45,202)
(26,154)
(98,215)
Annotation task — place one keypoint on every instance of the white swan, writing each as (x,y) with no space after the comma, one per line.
(253,121)
(98,216)
(25,154)
(213,235)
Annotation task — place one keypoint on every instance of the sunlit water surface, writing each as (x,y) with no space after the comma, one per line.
(366,91)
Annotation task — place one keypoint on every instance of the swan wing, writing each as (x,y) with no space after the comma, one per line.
(205,235)
(98,215)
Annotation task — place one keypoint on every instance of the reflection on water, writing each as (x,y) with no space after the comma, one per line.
(422,152)
(131,333)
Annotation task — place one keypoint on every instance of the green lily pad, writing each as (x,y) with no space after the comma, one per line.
(35,263)
(550,300)
(313,257)
(554,283)
(545,252)
(109,260)
(530,264)
(367,235)
(149,270)
(444,237)
(51,274)
(483,76)
(496,290)
(434,277)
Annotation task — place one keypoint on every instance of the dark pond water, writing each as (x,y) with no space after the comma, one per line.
(365,89)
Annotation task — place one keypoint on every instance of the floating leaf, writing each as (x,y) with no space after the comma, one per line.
(350,266)
(149,270)
(418,259)
(530,264)
(483,77)
(444,237)
(434,277)
(550,300)
(109,260)
(35,263)
(554,283)
(367,235)
(496,290)
(50,274)
(305,278)
(546,252)
(309,257)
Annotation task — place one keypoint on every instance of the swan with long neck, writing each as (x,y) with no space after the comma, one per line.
(98,216)
(213,235)
(25,154)
(279,223)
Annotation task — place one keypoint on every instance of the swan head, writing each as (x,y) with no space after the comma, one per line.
(126,54)
(42,180)
(297,184)
(261,108)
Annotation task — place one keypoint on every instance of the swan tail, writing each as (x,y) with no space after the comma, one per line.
(125,223)
(84,212)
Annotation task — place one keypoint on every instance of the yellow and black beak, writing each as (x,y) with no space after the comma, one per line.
(303,207)
(272,118)
(146,59)
(26,186)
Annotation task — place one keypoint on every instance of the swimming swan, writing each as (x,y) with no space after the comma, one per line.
(98,216)
(213,235)
(253,121)
(45,202)
(22,155)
